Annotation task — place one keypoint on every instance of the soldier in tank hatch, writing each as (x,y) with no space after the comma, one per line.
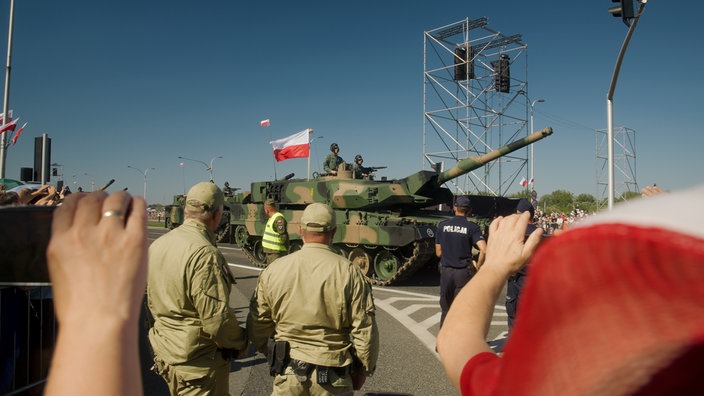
(333,160)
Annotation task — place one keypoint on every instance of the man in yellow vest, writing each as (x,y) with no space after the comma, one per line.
(275,239)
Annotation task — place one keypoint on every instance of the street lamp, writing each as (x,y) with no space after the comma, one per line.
(209,168)
(143,173)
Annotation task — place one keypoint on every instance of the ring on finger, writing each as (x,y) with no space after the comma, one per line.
(114,213)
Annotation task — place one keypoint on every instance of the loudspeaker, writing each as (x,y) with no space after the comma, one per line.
(38,146)
(464,63)
(26,174)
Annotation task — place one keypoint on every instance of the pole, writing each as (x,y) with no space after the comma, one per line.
(144,174)
(210,168)
(532,168)
(6,97)
(609,105)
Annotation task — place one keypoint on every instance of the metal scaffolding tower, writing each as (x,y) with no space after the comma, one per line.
(475,99)
(624,163)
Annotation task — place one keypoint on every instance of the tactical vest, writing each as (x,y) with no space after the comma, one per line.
(271,239)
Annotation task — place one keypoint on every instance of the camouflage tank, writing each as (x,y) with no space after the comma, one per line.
(385,227)
(173,214)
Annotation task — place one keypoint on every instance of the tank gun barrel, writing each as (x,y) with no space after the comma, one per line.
(471,163)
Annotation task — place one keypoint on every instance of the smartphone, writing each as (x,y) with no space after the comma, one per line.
(24,237)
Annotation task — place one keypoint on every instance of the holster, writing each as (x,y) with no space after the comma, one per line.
(277,356)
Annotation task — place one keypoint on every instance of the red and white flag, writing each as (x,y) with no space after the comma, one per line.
(294,146)
(264,122)
(17,134)
(524,182)
(532,181)
(10,126)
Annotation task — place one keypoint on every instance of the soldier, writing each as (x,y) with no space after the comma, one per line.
(195,332)
(361,171)
(227,190)
(453,245)
(333,161)
(323,345)
(275,239)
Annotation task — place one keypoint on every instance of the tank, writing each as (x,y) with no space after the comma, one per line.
(385,227)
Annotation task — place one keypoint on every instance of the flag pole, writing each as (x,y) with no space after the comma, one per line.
(6,103)
(310,131)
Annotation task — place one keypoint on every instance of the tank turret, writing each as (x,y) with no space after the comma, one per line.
(386,227)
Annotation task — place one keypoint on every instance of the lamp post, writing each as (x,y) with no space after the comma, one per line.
(209,168)
(532,168)
(143,173)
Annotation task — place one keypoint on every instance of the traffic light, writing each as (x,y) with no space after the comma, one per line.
(625,11)
(502,76)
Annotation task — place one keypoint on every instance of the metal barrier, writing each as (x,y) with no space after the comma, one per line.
(27,336)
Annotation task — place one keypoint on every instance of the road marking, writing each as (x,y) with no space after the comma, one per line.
(403,315)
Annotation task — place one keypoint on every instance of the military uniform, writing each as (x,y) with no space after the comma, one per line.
(321,328)
(275,238)
(361,170)
(192,325)
(332,162)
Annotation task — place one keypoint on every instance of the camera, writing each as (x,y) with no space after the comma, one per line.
(24,238)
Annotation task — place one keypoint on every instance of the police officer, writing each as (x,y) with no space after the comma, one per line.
(333,161)
(317,340)
(360,171)
(275,239)
(453,245)
(515,281)
(195,332)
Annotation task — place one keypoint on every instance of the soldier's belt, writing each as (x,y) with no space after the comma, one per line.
(302,370)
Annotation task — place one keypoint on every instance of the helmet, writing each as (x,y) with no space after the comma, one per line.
(357,158)
(334,146)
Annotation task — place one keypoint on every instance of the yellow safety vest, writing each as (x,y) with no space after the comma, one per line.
(272,240)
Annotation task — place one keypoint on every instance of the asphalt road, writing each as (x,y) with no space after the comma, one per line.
(408,318)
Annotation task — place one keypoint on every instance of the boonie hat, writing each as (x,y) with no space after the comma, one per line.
(270,202)
(462,202)
(317,217)
(205,195)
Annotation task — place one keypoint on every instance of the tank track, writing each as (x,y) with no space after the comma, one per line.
(423,250)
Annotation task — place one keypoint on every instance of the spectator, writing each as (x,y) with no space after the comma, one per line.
(612,306)
(97,345)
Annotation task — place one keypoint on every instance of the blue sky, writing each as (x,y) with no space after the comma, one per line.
(140,83)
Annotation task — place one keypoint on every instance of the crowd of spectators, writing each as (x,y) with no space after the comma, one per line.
(28,328)
(550,222)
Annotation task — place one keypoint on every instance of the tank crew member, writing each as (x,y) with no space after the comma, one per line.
(333,161)
(275,239)
(227,190)
(195,333)
(453,245)
(361,171)
(515,281)
(327,345)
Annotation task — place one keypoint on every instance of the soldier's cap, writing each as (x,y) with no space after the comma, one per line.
(270,202)
(205,195)
(462,202)
(524,205)
(317,217)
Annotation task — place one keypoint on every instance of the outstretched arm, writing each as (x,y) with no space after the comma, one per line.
(463,334)
(97,259)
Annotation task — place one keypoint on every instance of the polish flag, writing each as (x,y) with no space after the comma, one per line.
(264,122)
(17,134)
(10,126)
(532,181)
(294,146)
(524,182)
